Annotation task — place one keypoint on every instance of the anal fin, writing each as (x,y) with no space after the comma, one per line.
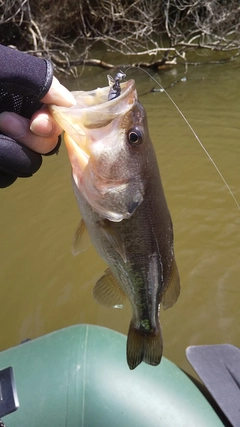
(108,292)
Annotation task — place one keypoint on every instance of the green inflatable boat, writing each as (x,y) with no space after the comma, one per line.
(78,377)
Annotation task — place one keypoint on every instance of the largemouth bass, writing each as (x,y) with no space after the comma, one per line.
(119,191)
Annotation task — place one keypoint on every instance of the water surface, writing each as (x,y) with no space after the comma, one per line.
(44,288)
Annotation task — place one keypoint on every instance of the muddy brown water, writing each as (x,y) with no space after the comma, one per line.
(44,288)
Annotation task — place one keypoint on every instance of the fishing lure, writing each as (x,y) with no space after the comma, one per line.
(115,88)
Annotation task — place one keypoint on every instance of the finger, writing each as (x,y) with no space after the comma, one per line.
(43,124)
(18,128)
(59,95)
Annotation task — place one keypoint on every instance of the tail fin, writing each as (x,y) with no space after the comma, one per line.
(144,346)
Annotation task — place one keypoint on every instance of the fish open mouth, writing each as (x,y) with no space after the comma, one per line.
(93,110)
(90,103)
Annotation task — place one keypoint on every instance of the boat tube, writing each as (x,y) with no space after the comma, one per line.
(78,377)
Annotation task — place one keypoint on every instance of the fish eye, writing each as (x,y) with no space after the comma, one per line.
(135,137)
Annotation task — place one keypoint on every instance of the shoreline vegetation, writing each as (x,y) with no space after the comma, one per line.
(148,33)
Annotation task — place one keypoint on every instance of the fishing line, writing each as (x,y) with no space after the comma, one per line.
(193,132)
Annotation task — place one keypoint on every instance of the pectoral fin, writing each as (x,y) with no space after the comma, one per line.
(81,239)
(112,234)
(173,289)
(108,292)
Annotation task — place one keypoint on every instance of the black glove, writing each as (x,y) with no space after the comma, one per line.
(16,160)
(24,80)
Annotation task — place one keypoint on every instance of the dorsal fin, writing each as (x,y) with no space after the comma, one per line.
(173,288)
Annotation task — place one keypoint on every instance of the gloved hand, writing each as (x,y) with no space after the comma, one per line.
(23,143)
(27,130)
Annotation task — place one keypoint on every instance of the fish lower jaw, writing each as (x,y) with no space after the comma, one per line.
(78,156)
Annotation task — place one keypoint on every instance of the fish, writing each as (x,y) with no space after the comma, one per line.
(117,184)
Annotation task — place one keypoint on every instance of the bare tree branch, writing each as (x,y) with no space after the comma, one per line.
(161,32)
